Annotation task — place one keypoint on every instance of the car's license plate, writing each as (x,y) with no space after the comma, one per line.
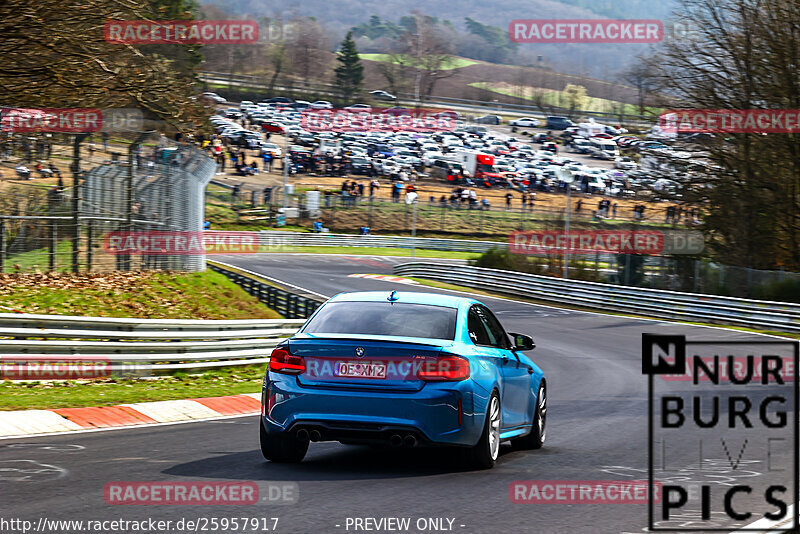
(360,369)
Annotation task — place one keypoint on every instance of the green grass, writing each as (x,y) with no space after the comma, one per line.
(160,295)
(454,63)
(75,394)
(40,258)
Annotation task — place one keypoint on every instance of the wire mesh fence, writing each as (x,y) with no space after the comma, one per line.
(62,194)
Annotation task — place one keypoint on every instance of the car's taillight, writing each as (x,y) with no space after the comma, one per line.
(447,368)
(282,362)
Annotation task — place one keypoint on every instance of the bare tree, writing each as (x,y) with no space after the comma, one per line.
(745,54)
(55,55)
(308,45)
(641,76)
(429,52)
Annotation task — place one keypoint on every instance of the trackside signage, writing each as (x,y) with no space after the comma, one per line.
(730,121)
(181,32)
(647,242)
(180,243)
(585,31)
(377,120)
(579,491)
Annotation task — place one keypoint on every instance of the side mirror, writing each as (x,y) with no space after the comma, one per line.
(522,342)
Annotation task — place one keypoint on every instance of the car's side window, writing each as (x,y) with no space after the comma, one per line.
(477,330)
(496,330)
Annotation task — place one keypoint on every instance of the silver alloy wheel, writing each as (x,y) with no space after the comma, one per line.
(494,427)
(541,418)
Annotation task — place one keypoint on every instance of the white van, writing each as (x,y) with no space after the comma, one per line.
(604,148)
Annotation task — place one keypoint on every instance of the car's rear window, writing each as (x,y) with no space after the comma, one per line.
(384,319)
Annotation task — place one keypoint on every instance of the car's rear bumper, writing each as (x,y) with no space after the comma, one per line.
(450,413)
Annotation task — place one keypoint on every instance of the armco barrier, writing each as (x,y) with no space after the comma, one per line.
(158,344)
(270,239)
(142,344)
(288,304)
(764,315)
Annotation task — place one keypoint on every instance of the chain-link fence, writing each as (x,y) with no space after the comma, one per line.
(61,195)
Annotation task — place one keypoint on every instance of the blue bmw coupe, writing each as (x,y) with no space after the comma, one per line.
(404,369)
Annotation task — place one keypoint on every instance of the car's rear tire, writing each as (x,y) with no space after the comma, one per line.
(282,448)
(535,439)
(484,454)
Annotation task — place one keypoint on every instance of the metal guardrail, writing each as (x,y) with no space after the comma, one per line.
(269,239)
(284,302)
(764,315)
(141,344)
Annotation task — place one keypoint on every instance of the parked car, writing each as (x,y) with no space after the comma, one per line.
(542,137)
(488,119)
(624,163)
(321,104)
(383,95)
(558,123)
(279,100)
(525,122)
(214,97)
(358,108)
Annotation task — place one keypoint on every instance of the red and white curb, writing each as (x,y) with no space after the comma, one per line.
(31,422)
(386,278)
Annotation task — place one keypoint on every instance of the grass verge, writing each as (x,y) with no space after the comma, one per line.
(77,394)
(158,295)
(206,295)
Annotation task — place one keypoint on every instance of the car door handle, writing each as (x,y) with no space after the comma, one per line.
(530,370)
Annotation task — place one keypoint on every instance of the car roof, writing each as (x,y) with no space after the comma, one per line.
(406,297)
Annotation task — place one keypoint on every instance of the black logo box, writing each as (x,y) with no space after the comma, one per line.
(676,344)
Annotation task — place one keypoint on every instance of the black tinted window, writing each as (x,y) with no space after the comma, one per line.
(477,328)
(495,329)
(384,319)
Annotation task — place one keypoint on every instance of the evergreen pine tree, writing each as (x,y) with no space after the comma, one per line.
(350,71)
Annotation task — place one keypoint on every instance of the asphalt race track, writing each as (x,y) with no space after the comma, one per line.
(597,430)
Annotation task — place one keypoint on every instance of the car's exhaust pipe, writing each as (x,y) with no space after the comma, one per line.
(315,435)
(302,434)
(409,441)
(396,440)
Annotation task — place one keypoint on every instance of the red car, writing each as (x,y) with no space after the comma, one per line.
(273,127)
